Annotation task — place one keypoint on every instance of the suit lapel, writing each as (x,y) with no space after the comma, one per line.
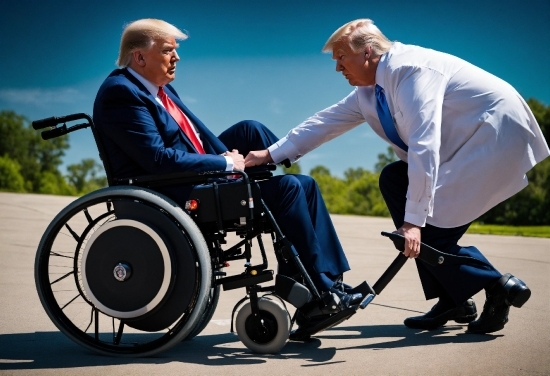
(211,143)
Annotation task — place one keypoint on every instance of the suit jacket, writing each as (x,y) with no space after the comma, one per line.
(141,137)
(471,136)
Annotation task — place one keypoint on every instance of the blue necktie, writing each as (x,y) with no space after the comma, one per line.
(386,119)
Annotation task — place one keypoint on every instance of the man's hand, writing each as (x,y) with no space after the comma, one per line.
(258,158)
(238,159)
(412,239)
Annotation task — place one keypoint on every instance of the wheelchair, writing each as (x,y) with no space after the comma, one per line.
(126,271)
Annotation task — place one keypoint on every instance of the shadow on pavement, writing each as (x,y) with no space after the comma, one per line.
(46,350)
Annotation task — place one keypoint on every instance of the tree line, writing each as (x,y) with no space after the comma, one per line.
(30,164)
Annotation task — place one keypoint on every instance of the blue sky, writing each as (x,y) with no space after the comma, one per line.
(256,59)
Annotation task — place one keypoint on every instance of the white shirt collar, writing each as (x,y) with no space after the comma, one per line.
(382,65)
(151,87)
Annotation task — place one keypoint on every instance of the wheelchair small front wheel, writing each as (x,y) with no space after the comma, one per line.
(266,333)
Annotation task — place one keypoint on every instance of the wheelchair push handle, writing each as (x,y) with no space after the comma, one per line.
(54,121)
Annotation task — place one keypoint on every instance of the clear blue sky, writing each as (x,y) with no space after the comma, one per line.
(256,59)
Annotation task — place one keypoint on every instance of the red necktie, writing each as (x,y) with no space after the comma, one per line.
(180,118)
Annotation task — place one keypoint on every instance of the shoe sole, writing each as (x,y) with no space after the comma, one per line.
(492,329)
(518,292)
(520,298)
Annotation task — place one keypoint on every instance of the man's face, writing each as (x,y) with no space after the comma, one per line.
(159,62)
(355,66)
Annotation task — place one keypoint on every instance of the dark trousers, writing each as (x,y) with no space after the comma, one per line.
(298,208)
(456,282)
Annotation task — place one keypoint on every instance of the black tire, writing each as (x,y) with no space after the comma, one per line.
(270,334)
(208,312)
(69,257)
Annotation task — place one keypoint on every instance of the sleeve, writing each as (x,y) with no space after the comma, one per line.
(128,121)
(318,129)
(419,97)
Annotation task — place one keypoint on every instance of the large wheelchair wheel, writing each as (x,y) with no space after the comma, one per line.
(266,333)
(124,271)
(211,305)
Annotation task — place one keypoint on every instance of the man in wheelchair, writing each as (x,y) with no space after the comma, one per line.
(146,129)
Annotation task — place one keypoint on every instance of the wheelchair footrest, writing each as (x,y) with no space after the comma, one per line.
(307,330)
(243,280)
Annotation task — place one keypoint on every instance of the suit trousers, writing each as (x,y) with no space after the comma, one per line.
(455,282)
(298,207)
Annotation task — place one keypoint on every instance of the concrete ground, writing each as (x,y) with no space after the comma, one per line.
(374,341)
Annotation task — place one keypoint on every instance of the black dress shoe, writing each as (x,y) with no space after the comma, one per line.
(441,313)
(346,299)
(508,291)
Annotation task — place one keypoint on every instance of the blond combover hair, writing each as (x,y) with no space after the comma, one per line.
(360,34)
(142,34)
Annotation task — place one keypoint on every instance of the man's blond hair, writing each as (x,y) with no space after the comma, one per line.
(360,34)
(142,34)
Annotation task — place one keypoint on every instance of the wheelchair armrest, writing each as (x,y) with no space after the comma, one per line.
(260,172)
(193,178)
(180,178)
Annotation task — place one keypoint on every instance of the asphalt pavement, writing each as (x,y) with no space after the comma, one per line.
(374,341)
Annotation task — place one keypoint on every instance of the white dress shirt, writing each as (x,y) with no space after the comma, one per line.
(471,136)
(154,90)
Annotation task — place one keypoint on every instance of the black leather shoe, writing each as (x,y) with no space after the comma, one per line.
(346,300)
(440,314)
(508,291)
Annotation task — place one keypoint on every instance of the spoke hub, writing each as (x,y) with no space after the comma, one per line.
(122,271)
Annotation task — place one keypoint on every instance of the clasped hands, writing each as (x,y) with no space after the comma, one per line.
(254,158)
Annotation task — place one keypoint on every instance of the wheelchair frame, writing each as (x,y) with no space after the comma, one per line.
(161,283)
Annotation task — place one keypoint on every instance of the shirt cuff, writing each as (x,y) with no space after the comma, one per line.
(230,164)
(282,150)
(417,212)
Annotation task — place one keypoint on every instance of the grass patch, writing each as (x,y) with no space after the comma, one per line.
(533,231)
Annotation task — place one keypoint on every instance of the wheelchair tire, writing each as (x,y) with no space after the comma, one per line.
(118,309)
(269,334)
(208,312)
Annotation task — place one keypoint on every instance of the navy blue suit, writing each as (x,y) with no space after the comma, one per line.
(141,137)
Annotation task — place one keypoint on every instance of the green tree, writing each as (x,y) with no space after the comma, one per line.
(385,159)
(363,194)
(357,193)
(293,169)
(20,143)
(86,176)
(11,179)
(334,190)
(53,183)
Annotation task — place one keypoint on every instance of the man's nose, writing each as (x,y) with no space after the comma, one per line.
(339,67)
(176,56)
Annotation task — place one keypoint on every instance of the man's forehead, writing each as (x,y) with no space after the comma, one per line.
(339,47)
(166,42)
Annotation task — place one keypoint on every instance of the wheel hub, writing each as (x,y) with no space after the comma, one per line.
(142,270)
(122,271)
(262,328)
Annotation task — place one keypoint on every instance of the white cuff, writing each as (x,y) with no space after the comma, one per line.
(282,150)
(417,212)
(415,219)
(230,164)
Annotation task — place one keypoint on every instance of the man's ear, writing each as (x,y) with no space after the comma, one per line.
(368,51)
(138,58)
